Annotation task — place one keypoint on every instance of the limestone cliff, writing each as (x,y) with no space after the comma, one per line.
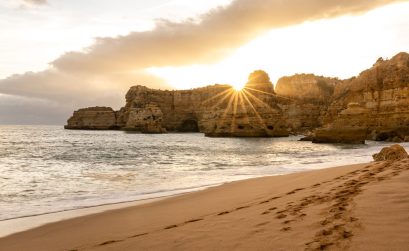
(307,87)
(380,103)
(252,112)
(374,105)
(309,97)
(216,110)
(352,132)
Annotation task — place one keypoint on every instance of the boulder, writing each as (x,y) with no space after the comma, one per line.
(397,135)
(394,152)
(307,137)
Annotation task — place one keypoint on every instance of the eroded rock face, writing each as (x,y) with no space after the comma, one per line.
(374,105)
(394,152)
(307,87)
(93,118)
(146,119)
(349,127)
(253,112)
(377,100)
(182,111)
(308,97)
(259,81)
(216,110)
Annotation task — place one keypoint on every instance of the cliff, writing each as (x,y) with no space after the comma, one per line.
(252,112)
(374,105)
(309,97)
(216,110)
(307,87)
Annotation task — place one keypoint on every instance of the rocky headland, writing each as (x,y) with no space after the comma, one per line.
(373,105)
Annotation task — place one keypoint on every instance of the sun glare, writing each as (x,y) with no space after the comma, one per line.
(238,87)
(288,56)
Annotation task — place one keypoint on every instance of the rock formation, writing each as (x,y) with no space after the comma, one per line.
(216,110)
(93,118)
(307,87)
(349,127)
(252,112)
(374,105)
(394,152)
(146,119)
(308,97)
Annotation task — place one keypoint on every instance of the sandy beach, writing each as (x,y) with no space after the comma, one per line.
(356,207)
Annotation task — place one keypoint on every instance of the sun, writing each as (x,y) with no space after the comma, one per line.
(238,87)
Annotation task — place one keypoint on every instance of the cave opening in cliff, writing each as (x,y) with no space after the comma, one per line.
(189,125)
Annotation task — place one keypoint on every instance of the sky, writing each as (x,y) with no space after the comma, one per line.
(60,55)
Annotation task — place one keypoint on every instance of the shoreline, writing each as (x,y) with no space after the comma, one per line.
(67,180)
(25,223)
(261,213)
(28,222)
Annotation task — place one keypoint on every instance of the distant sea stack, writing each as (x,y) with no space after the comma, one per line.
(93,118)
(374,105)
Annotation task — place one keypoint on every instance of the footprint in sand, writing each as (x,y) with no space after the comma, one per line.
(262,224)
(109,242)
(137,235)
(191,221)
(223,213)
(243,207)
(285,229)
(281,216)
(287,222)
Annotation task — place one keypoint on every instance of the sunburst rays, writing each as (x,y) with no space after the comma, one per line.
(267,93)
(262,122)
(239,107)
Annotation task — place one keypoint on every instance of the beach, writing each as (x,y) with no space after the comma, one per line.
(177,125)
(356,207)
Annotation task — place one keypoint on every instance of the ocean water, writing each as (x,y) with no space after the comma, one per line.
(46,169)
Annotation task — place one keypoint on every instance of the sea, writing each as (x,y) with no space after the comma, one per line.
(46,169)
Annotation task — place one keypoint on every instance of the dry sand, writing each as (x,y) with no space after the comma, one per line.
(357,207)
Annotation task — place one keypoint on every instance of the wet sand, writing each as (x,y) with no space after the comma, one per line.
(356,207)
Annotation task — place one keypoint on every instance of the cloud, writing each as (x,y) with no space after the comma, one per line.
(217,34)
(36,2)
(51,96)
(111,65)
